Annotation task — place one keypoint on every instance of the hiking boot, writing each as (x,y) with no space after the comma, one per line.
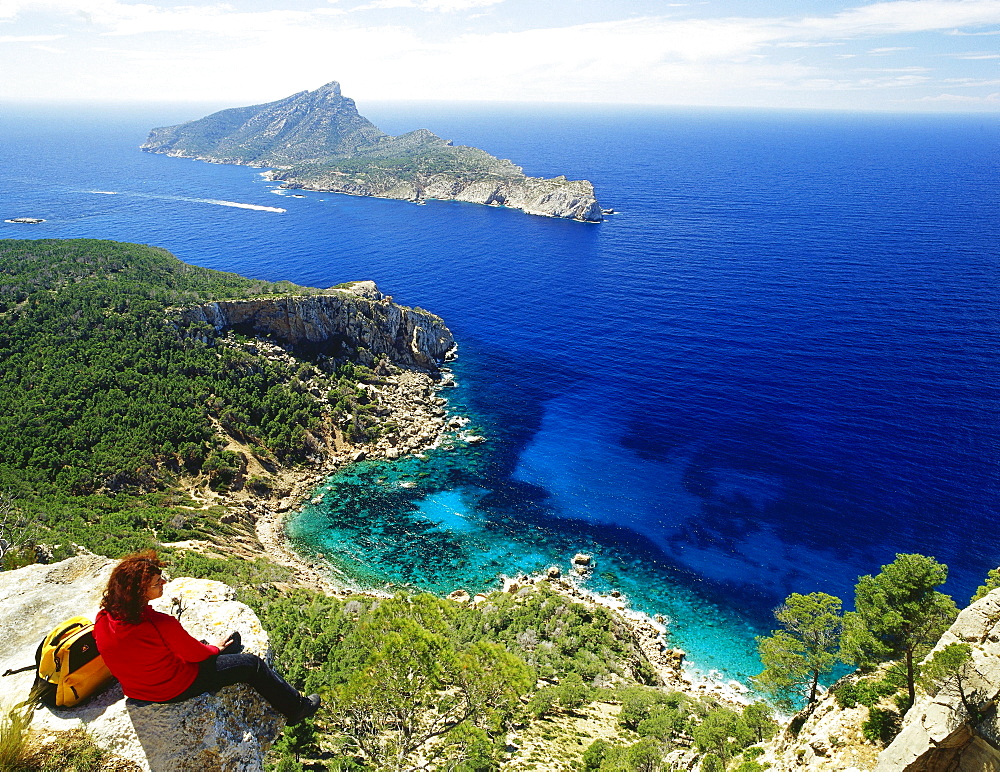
(309,707)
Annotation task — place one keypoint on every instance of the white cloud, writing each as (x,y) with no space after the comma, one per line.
(971,82)
(29,38)
(906,16)
(430,5)
(204,51)
(993,98)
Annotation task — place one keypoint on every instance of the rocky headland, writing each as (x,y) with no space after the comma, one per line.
(317,140)
(405,348)
(355,320)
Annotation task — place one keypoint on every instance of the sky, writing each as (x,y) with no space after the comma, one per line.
(899,55)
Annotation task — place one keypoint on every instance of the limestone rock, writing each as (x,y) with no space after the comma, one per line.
(226,731)
(937,733)
(830,739)
(351,320)
(459,596)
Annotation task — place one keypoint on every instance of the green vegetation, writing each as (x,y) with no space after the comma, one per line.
(992,583)
(869,691)
(796,657)
(898,614)
(23,751)
(952,663)
(410,675)
(880,726)
(102,390)
(415,164)
(108,401)
(14,740)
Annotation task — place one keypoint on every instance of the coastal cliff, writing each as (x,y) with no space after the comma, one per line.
(938,733)
(557,197)
(317,140)
(357,321)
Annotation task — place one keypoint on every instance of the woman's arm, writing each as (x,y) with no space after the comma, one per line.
(179,641)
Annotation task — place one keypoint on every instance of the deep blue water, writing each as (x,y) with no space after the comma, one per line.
(773,370)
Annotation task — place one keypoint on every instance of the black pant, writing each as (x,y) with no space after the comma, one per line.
(228,669)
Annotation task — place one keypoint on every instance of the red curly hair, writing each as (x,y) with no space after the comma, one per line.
(125,597)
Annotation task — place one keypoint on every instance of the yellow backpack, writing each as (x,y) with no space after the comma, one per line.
(69,669)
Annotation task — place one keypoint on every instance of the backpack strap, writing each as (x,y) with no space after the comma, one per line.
(19,670)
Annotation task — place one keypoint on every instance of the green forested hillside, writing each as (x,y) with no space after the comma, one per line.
(103,394)
(98,382)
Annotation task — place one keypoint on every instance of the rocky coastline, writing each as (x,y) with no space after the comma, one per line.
(557,197)
(407,349)
(317,140)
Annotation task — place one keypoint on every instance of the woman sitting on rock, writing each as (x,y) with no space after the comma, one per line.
(156,660)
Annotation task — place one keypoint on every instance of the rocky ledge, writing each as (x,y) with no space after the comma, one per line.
(229,730)
(356,320)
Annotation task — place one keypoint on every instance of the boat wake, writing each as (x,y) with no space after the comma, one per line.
(215,201)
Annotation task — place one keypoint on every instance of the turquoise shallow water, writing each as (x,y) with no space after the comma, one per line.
(446,520)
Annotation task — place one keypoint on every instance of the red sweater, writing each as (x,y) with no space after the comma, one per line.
(154,660)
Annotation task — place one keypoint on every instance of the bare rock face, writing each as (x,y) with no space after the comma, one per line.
(938,735)
(342,320)
(556,197)
(210,733)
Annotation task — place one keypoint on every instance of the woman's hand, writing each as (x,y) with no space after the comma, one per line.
(224,642)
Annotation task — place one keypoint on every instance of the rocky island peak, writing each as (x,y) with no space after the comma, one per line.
(317,140)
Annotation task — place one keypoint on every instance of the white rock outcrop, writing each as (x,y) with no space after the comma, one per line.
(938,734)
(353,318)
(230,730)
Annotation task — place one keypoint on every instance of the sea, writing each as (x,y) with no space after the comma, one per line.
(771,370)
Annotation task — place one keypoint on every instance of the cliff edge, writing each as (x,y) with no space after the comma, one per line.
(357,320)
(231,729)
(317,140)
(938,734)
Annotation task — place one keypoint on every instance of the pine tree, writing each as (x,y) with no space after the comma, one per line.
(898,614)
(796,657)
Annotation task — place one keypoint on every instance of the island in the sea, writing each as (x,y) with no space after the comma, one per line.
(317,140)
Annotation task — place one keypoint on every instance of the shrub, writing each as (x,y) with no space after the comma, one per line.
(880,726)
(573,692)
(594,755)
(643,756)
(712,763)
(636,703)
(866,691)
(543,701)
